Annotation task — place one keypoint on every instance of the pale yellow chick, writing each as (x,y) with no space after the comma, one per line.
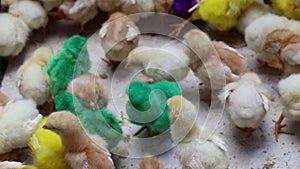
(246,101)
(33,81)
(289,91)
(31,12)
(151,163)
(13,35)
(196,149)
(89,88)
(81,151)
(281,50)
(224,63)
(119,35)
(80,10)
(18,121)
(168,62)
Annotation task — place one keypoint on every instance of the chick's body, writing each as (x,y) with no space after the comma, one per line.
(223,14)
(195,149)
(13,35)
(81,151)
(33,80)
(246,101)
(18,121)
(89,88)
(289,95)
(213,61)
(161,63)
(32,12)
(119,35)
(288,8)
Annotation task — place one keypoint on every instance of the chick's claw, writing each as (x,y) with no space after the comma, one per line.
(279,126)
(179,27)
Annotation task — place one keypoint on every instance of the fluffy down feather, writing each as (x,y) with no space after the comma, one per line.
(196,149)
(13,35)
(137,6)
(168,62)
(10,165)
(33,80)
(31,12)
(109,5)
(119,35)
(246,101)
(51,4)
(289,89)
(19,120)
(288,8)
(89,88)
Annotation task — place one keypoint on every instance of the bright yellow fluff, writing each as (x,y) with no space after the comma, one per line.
(47,149)
(288,8)
(223,14)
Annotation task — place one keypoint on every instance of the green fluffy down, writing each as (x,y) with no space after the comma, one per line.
(100,122)
(147,104)
(70,62)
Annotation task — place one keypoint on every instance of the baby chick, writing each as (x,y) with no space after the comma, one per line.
(288,8)
(207,56)
(151,163)
(138,6)
(32,12)
(196,149)
(168,62)
(119,35)
(81,151)
(80,10)
(89,88)
(281,50)
(18,121)
(289,89)
(13,35)
(51,4)
(109,5)
(246,101)
(33,80)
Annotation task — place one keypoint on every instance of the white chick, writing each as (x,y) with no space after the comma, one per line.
(197,150)
(33,81)
(138,6)
(256,32)
(254,11)
(81,151)
(246,101)
(151,163)
(10,165)
(281,50)
(168,62)
(31,12)
(89,88)
(18,121)
(289,89)
(119,35)
(13,35)
(207,56)
(80,10)
(109,5)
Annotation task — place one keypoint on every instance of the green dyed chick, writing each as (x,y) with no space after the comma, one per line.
(99,122)
(147,104)
(71,61)
(288,8)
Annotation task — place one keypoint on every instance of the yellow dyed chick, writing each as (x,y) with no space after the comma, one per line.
(47,149)
(288,8)
(89,88)
(33,80)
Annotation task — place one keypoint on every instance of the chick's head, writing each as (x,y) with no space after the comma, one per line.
(43,55)
(63,123)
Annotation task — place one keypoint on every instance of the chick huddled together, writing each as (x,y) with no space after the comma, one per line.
(80,131)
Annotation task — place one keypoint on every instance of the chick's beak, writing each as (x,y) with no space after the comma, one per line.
(46,127)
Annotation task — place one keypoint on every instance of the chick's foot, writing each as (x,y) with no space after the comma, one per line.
(279,126)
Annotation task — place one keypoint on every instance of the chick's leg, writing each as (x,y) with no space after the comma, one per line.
(279,126)
(179,27)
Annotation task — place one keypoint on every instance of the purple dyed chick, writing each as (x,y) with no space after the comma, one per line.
(181,7)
